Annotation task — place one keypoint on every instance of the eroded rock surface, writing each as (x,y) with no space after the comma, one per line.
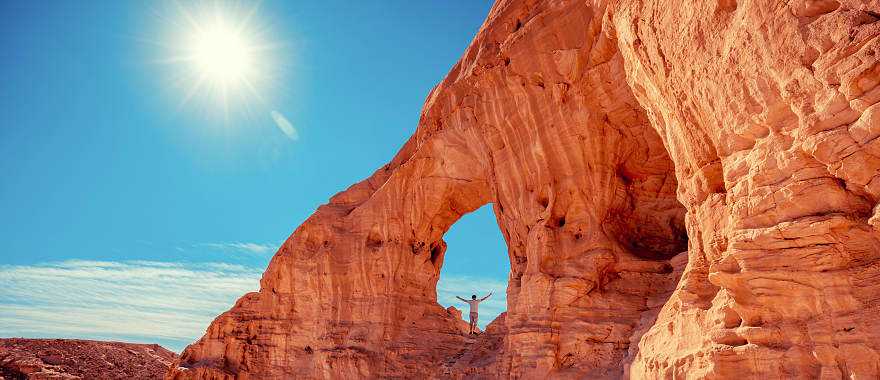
(778,164)
(610,137)
(69,359)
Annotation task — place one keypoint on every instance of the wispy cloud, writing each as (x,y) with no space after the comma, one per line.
(285,126)
(165,302)
(253,248)
(170,303)
(450,286)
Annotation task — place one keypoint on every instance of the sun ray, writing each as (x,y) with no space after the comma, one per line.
(193,90)
(254,91)
(225,104)
(187,16)
(247,18)
(169,60)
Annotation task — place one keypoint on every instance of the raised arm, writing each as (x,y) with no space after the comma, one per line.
(487,296)
(461,298)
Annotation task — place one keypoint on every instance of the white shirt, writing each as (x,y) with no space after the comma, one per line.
(475,305)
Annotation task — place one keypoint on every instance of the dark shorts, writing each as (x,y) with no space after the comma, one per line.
(474,317)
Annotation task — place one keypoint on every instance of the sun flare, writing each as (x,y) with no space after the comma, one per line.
(219,55)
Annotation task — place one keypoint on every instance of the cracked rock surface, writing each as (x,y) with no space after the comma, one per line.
(686,190)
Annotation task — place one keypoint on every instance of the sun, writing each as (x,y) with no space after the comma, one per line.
(219,56)
(221,53)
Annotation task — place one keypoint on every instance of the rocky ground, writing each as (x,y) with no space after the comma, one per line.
(81,359)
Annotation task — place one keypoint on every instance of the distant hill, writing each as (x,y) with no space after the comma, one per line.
(81,359)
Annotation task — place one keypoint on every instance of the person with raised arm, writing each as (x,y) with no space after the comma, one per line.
(474,304)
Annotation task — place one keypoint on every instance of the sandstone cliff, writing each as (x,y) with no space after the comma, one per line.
(685,190)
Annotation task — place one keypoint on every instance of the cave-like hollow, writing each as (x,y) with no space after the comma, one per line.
(590,266)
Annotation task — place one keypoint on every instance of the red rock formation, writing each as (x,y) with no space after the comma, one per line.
(463,327)
(481,356)
(68,359)
(610,136)
(769,110)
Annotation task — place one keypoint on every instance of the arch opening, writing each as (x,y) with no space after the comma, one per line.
(475,262)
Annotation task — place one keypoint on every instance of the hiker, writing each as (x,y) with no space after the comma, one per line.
(474,304)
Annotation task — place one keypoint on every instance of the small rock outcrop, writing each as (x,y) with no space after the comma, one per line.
(463,326)
(686,189)
(69,359)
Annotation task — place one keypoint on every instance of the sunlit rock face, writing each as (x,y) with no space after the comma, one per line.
(685,189)
(769,111)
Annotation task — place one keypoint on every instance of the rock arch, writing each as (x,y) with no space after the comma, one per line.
(583,191)
(585,123)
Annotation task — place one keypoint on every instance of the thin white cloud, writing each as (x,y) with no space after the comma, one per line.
(285,126)
(253,248)
(165,302)
(463,286)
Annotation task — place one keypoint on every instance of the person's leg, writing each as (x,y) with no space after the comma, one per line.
(471,324)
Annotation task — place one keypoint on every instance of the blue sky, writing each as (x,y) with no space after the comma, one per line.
(115,186)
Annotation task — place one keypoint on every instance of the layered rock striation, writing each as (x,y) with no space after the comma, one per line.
(769,111)
(684,189)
